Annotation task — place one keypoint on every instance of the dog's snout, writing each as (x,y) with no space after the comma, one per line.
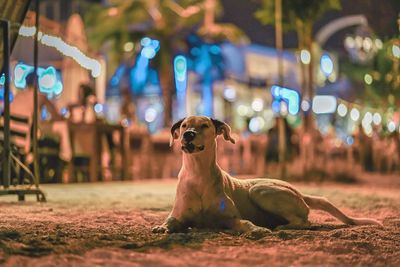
(189,135)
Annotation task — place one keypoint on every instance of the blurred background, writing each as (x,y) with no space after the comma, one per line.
(310,88)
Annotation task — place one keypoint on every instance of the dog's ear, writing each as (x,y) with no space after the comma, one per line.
(175,131)
(223,128)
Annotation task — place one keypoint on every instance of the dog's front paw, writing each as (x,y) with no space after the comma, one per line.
(160,229)
(171,225)
(257,233)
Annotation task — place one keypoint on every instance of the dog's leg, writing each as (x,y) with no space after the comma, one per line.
(182,212)
(281,201)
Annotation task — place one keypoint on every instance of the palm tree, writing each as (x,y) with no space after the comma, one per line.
(165,20)
(300,15)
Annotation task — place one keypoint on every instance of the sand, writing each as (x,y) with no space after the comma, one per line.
(109,224)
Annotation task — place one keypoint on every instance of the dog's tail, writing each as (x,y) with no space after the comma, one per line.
(321,203)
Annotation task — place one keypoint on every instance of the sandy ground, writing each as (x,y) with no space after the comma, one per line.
(109,224)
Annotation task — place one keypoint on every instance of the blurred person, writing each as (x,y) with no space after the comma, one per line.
(83,109)
(22,105)
(391,152)
(128,114)
(365,150)
(128,109)
(378,149)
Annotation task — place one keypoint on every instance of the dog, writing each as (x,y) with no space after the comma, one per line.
(208,197)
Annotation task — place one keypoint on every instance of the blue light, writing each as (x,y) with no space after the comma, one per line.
(276,106)
(64,111)
(139,73)
(148,52)
(146,41)
(44,113)
(11,98)
(275,91)
(117,76)
(98,108)
(2,79)
(180,68)
(21,70)
(155,44)
(215,49)
(180,71)
(49,81)
(195,51)
(291,97)
(293,100)
(326,64)
(349,140)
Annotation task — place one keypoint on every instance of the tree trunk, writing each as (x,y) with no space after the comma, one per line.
(167,86)
(309,125)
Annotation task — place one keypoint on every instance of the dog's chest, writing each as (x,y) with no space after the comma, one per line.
(210,208)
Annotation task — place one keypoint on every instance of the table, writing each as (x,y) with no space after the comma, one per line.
(86,140)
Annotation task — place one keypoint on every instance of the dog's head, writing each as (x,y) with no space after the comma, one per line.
(198,133)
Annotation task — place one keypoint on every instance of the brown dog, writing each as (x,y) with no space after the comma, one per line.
(208,197)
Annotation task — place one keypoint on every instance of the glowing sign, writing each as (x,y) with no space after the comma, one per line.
(289,96)
(180,70)
(324,104)
(49,82)
(20,72)
(2,79)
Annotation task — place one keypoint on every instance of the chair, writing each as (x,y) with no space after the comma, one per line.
(20,132)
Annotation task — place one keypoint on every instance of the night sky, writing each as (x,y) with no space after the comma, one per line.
(381,15)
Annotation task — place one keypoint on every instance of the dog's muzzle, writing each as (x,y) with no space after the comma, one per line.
(187,145)
(190,148)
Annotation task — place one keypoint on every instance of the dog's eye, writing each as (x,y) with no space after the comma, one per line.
(184,125)
(203,126)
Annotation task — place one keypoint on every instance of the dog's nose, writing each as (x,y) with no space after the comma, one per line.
(189,135)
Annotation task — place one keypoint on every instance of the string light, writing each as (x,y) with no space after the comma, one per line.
(342,110)
(305,57)
(354,114)
(67,50)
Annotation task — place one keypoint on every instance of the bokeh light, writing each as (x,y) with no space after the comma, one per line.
(305,57)
(368,79)
(354,114)
(230,94)
(256,124)
(342,110)
(377,118)
(391,126)
(396,51)
(305,105)
(257,104)
(326,64)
